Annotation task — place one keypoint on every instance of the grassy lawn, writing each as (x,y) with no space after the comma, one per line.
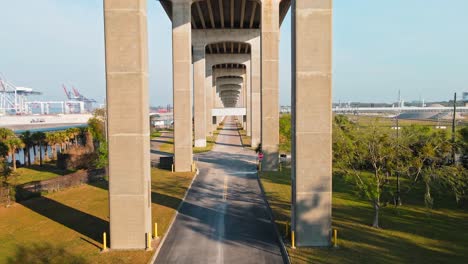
(246,140)
(36,173)
(155,134)
(210,142)
(67,226)
(409,234)
(168,146)
(385,121)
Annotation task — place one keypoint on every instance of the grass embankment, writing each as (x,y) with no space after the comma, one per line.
(168,143)
(67,226)
(36,173)
(364,120)
(155,134)
(409,234)
(210,142)
(246,140)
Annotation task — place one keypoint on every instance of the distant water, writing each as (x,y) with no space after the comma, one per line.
(46,151)
(49,129)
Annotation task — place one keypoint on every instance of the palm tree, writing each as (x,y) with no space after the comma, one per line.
(62,139)
(73,133)
(4,169)
(28,143)
(52,140)
(39,139)
(14,144)
(6,133)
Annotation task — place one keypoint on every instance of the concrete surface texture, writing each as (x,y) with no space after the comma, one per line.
(224,218)
(312,125)
(270,84)
(128,125)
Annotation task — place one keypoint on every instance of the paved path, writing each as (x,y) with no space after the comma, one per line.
(156,143)
(224,218)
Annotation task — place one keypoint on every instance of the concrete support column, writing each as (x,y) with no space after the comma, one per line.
(182,59)
(199,95)
(312,121)
(215,102)
(255,90)
(209,101)
(127,126)
(270,84)
(247,81)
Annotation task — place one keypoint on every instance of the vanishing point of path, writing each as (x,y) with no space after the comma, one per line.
(224,218)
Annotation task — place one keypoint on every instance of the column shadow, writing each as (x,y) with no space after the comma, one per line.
(83,223)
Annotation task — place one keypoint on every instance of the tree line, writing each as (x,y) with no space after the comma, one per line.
(387,164)
(39,142)
(45,145)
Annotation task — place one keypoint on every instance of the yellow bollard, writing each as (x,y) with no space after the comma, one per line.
(280,167)
(104,241)
(335,238)
(148,241)
(155,230)
(293,242)
(172,168)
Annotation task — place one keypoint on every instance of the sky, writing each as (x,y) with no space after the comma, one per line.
(379,47)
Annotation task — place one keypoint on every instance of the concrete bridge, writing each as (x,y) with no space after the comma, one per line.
(233,46)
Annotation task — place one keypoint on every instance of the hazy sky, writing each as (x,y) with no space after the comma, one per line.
(380,46)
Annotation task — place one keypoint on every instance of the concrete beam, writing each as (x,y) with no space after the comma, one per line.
(222,81)
(227,58)
(312,122)
(229,87)
(229,72)
(127,123)
(208,36)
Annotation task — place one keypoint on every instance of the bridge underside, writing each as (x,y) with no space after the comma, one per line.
(225,55)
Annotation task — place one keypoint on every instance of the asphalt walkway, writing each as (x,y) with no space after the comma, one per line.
(224,218)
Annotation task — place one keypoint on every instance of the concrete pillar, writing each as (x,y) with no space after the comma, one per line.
(248,81)
(214,100)
(182,59)
(244,117)
(270,84)
(255,90)
(199,95)
(312,121)
(128,126)
(209,100)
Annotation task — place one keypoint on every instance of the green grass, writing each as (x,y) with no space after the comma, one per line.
(390,122)
(168,146)
(246,140)
(409,234)
(210,142)
(155,134)
(74,219)
(36,173)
